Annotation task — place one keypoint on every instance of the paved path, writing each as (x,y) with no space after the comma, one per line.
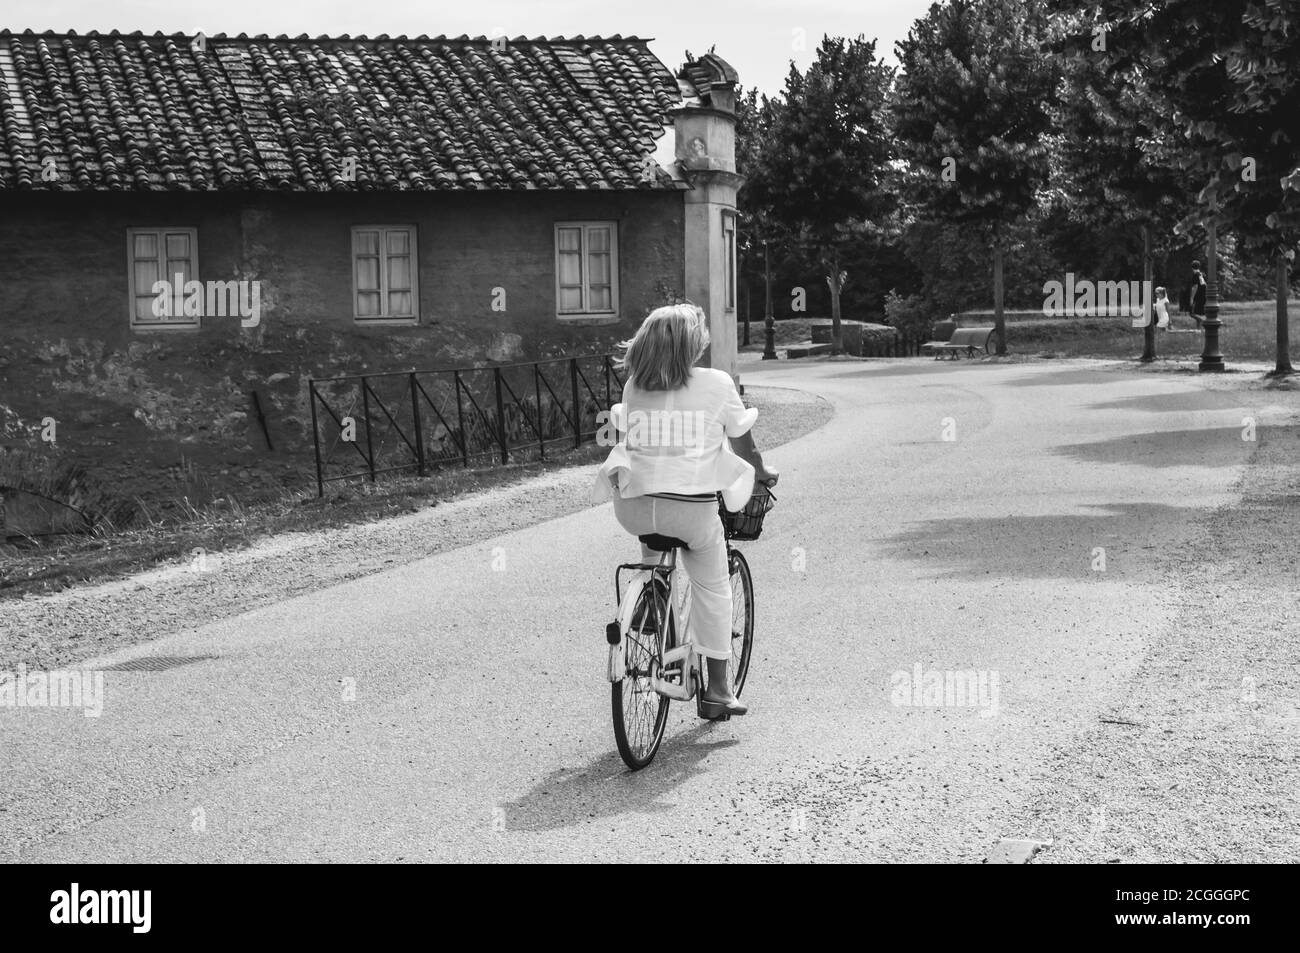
(480,727)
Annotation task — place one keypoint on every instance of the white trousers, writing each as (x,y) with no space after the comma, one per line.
(696,523)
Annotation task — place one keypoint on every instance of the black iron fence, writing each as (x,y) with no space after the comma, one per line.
(861,342)
(365,425)
(899,345)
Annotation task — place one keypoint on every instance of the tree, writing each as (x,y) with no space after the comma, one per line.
(1108,124)
(972,113)
(1228,74)
(754,113)
(821,175)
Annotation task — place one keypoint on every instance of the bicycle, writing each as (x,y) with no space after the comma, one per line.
(648,665)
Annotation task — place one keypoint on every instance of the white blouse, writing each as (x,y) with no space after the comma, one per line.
(676,441)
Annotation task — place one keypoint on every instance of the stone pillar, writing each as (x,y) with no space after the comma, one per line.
(705,133)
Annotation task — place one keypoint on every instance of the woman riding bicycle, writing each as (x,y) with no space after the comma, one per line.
(686,437)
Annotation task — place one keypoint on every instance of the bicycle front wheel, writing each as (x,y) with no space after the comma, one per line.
(641,713)
(742,621)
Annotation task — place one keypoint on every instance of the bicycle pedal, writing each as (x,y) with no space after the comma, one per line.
(612,633)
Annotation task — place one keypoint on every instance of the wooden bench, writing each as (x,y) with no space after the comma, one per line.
(968,340)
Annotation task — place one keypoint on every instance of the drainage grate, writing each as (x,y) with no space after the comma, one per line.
(156,663)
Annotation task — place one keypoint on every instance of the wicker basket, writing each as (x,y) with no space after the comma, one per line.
(747,523)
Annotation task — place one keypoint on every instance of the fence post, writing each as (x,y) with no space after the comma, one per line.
(419,432)
(370,447)
(537,389)
(315,438)
(577,417)
(501,417)
(460,420)
(608,400)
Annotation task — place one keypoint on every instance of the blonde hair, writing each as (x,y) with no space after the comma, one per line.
(666,346)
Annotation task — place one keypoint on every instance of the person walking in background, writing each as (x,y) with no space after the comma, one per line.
(1161,308)
(1196,294)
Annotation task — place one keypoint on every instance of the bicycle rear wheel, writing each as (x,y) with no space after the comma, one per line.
(641,713)
(742,621)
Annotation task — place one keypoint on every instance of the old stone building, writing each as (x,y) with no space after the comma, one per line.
(332,206)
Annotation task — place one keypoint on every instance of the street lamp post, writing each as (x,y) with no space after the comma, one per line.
(745,340)
(1211,359)
(769,322)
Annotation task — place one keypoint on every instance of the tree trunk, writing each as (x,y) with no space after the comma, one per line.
(1283,331)
(1148,278)
(999,319)
(837,332)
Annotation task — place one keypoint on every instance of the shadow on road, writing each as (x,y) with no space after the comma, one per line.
(606,788)
(1183,400)
(1054,546)
(1072,375)
(914,366)
(1217,447)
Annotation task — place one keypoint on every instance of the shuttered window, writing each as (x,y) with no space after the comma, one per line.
(161,255)
(586,268)
(384,265)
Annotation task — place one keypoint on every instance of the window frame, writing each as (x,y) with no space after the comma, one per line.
(586,313)
(382,318)
(160,232)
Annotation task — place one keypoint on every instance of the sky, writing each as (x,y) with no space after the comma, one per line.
(758,37)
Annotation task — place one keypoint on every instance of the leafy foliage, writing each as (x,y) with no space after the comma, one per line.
(1228,72)
(974,95)
(972,114)
(829,146)
(823,172)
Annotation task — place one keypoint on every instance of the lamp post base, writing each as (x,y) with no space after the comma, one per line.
(769,344)
(1211,359)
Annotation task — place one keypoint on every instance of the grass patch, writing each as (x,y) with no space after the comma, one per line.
(1248,334)
(53,563)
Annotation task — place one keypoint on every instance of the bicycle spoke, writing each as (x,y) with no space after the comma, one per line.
(640,700)
(640,711)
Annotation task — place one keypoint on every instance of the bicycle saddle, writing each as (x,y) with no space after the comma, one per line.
(662,544)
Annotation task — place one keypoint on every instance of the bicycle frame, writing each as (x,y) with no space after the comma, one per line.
(683,654)
(653,655)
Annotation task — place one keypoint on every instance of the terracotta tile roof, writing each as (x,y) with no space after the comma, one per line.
(123,112)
